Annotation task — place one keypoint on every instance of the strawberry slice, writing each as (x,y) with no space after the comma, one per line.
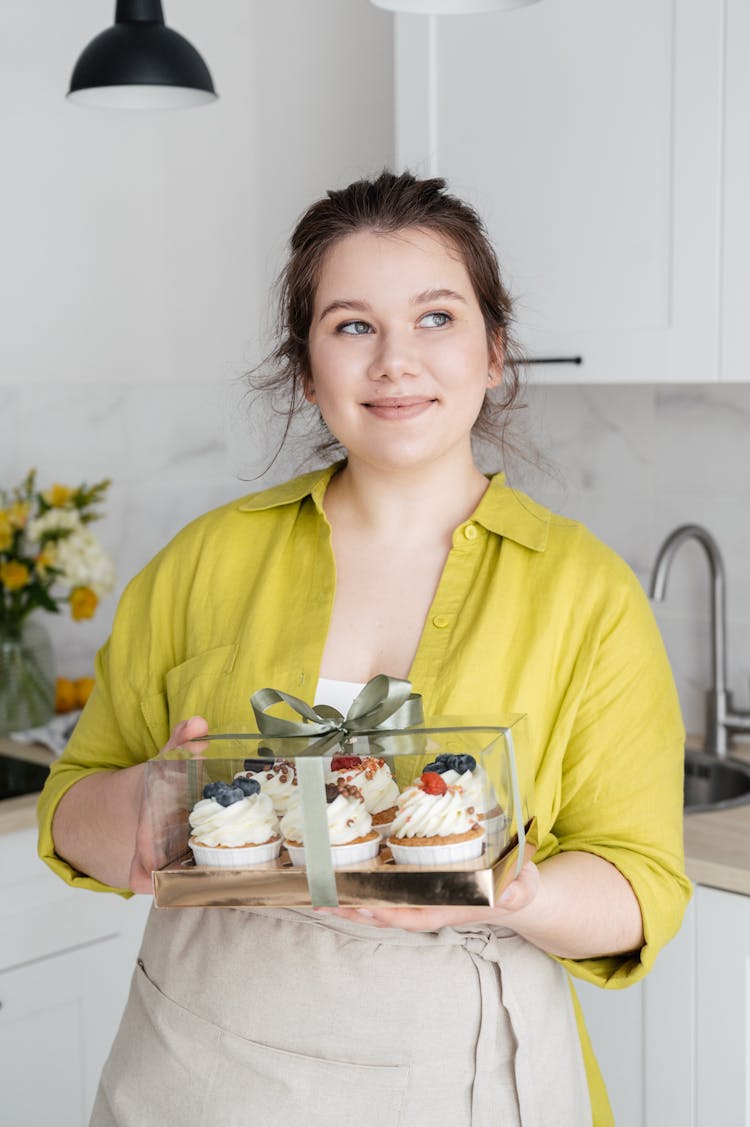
(433,783)
(345,762)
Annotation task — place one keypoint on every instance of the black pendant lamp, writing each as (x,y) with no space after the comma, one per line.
(140,64)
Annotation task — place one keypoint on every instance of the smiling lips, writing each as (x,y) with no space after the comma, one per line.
(399,407)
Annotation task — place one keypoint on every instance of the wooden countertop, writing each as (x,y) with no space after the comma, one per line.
(717,845)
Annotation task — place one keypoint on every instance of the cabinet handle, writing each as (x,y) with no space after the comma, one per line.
(551,360)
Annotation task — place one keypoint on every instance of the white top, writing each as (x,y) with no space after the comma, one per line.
(339,694)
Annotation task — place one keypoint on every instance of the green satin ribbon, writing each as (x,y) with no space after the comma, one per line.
(383,704)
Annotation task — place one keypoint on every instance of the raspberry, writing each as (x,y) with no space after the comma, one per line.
(345,762)
(432,783)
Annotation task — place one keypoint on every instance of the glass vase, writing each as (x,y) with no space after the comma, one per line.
(27,678)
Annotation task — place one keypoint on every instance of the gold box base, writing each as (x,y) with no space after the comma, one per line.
(279,884)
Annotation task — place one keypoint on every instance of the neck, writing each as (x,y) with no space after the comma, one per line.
(405,502)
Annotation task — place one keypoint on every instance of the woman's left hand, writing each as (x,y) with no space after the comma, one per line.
(519,894)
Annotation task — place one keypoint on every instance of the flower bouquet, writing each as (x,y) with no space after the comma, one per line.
(48,558)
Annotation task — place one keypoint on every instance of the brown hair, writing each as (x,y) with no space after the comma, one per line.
(387,204)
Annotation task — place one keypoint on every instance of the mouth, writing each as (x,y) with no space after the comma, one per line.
(399,406)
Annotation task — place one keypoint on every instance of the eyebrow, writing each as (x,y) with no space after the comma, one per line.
(422,298)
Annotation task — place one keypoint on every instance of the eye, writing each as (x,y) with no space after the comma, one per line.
(354,328)
(435,320)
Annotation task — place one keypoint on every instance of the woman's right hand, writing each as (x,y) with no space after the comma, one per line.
(160,825)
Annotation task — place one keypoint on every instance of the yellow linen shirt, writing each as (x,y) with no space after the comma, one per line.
(532,615)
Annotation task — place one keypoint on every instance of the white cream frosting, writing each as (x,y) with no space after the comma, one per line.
(348,818)
(374,779)
(279,782)
(251,821)
(476,788)
(432,815)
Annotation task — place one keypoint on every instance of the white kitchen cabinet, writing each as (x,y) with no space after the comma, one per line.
(676,1048)
(591,138)
(735,232)
(66,957)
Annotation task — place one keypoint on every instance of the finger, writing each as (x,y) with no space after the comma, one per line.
(196,727)
(357,915)
(140,879)
(522,890)
(186,731)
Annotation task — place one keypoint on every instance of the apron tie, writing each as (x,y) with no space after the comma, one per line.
(485,949)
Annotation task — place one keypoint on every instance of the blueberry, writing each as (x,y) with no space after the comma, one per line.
(247,786)
(439,766)
(229,796)
(464,763)
(212,790)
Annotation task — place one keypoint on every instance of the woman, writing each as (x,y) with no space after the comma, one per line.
(403,559)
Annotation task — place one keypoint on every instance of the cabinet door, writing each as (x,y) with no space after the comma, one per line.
(675,1049)
(722,986)
(735,360)
(644,1038)
(589,137)
(57,1020)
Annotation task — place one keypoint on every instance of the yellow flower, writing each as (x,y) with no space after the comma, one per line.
(58,495)
(14,575)
(18,514)
(6,531)
(83,603)
(45,559)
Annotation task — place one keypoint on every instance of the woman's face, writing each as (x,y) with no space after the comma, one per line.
(399,359)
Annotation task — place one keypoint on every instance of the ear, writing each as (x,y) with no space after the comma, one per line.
(497,362)
(308,387)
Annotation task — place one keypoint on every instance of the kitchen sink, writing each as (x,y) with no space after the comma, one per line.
(19,776)
(714,784)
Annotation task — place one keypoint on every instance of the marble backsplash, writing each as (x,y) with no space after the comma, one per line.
(631,462)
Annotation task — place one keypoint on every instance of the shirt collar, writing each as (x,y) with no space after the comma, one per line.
(309,485)
(510,513)
(502,510)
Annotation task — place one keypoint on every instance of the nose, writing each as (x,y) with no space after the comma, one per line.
(394,357)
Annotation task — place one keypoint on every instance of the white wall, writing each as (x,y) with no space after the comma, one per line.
(137,252)
(635,462)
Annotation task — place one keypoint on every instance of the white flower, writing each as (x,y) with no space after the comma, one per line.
(55,520)
(84,563)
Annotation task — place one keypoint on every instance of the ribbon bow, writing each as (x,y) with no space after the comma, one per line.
(384,703)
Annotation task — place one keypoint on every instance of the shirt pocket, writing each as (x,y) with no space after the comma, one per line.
(200,686)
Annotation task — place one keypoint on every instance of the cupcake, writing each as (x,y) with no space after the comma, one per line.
(234,826)
(463,771)
(350,831)
(277,779)
(373,777)
(435,825)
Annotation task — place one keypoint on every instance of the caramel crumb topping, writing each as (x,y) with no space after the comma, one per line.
(349,790)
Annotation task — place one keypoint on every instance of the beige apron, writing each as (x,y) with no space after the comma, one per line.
(280,1018)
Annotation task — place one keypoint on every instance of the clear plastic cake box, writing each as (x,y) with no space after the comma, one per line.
(175,781)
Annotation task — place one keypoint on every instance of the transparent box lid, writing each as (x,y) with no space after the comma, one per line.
(481,764)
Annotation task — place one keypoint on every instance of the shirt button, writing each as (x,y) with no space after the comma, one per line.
(470,532)
(440,621)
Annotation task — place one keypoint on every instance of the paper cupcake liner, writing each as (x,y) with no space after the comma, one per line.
(496,833)
(241,857)
(383,828)
(437,854)
(342,854)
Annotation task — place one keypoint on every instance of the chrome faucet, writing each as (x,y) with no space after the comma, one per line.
(721,717)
